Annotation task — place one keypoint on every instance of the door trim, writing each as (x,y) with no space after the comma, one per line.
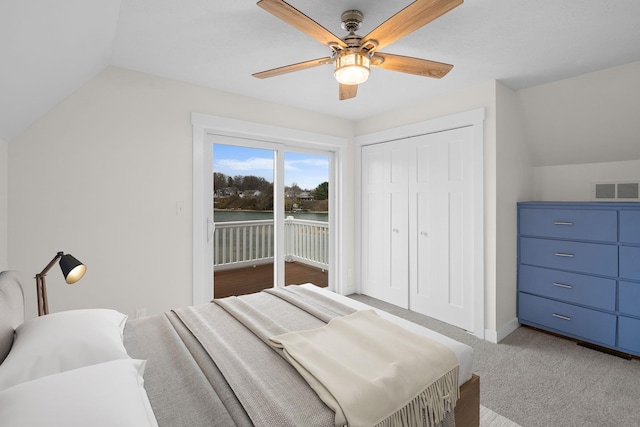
(205,124)
(474,118)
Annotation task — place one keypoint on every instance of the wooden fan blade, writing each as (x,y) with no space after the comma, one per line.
(407,64)
(293,67)
(299,20)
(416,15)
(348,91)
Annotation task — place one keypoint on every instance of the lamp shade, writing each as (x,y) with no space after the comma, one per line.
(72,269)
(352,68)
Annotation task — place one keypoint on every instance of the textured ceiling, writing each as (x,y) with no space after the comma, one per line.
(49,49)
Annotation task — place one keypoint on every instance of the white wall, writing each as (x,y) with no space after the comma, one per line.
(514,182)
(4,200)
(592,118)
(99,177)
(480,96)
(572,183)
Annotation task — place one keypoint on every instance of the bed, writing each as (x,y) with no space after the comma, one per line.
(246,361)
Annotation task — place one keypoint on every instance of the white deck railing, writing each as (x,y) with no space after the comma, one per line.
(239,244)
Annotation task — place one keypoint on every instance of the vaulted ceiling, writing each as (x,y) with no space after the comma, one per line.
(49,49)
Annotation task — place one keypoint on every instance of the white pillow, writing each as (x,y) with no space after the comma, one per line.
(104,395)
(62,341)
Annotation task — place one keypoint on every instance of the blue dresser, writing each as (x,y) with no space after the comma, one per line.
(579,271)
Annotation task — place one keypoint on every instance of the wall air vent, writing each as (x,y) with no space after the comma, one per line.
(615,191)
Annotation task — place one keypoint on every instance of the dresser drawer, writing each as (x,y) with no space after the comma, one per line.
(629,334)
(630,262)
(575,288)
(630,226)
(598,225)
(591,258)
(629,298)
(565,318)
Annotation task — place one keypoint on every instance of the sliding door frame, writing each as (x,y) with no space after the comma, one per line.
(283,139)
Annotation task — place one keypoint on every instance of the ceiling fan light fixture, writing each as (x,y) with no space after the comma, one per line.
(352,68)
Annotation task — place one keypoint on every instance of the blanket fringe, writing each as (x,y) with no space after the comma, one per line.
(430,407)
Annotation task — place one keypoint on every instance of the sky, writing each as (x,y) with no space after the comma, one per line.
(306,170)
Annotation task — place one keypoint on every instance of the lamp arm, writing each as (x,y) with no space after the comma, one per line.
(41,286)
(51,264)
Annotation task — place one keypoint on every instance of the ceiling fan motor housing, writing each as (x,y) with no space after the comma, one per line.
(351,20)
(352,40)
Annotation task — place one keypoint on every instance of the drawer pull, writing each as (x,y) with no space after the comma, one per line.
(560,316)
(562,223)
(564,255)
(562,285)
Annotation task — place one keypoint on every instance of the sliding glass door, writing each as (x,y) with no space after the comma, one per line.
(243,214)
(306,206)
(270,216)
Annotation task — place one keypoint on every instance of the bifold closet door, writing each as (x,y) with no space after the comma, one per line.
(418,224)
(441,218)
(385,227)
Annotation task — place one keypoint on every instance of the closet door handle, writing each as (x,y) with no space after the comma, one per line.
(560,316)
(562,285)
(564,255)
(562,223)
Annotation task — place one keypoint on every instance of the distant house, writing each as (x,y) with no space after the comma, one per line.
(226,192)
(305,195)
(249,193)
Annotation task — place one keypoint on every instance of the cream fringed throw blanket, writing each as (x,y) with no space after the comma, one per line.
(392,377)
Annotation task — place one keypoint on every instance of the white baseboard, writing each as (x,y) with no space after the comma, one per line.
(497,336)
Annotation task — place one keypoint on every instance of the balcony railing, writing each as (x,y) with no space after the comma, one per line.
(246,243)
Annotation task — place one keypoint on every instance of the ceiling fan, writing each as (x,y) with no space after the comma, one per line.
(353,55)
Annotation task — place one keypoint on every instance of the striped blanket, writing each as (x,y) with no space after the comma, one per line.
(249,339)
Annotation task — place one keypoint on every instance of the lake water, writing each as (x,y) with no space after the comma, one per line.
(224,216)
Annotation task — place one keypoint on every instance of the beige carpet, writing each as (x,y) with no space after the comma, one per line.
(488,418)
(541,380)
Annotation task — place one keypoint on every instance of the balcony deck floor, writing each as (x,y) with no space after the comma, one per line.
(248,280)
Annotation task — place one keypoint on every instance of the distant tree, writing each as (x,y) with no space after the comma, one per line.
(294,190)
(264,201)
(251,182)
(219,181)
(322,191)
(288,205)
(238,181)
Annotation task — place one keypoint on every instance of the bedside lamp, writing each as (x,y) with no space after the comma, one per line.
(72,269)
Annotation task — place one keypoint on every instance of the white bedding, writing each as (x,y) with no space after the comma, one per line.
(463,352)
(11,315)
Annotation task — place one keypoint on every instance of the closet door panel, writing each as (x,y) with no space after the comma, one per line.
(441,253)
(429,247)
(384,224)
